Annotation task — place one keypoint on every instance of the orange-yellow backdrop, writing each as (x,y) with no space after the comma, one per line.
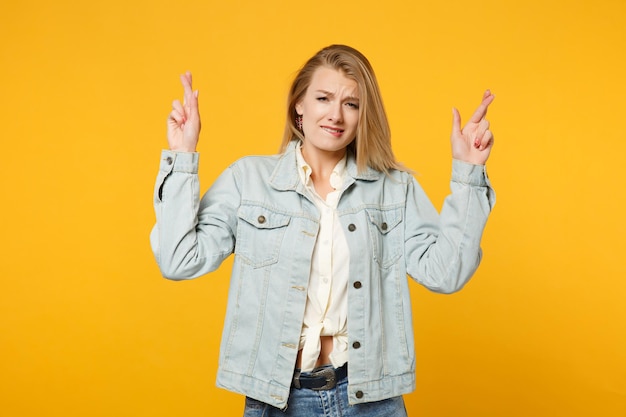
(89,328)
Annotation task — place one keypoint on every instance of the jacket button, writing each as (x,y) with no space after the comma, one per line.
(261,219)
(351,227)
(359,394)
(169,160)
(357,285)
(356,345)
(383,226)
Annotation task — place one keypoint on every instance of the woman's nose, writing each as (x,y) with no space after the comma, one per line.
(336,113)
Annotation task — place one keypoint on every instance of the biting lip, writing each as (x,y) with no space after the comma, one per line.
(333,130)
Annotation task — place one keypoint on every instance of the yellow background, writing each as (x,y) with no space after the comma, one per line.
(89,328)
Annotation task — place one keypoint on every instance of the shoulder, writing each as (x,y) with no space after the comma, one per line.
(256,163)
(394,178)
(277,170)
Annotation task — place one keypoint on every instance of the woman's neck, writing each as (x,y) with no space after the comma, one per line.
(322,165)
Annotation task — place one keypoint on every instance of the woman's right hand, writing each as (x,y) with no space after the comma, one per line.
(183,123)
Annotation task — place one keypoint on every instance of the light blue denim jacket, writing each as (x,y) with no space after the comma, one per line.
(259,210)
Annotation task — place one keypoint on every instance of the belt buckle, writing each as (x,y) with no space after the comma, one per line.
(329,376)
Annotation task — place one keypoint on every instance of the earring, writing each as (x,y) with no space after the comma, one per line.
(299,122)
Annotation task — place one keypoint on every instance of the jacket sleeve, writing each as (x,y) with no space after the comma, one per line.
(192,236)
(443,251)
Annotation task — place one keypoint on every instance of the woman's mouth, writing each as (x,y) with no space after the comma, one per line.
(333,131)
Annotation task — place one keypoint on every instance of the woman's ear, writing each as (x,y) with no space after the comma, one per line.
(299,108)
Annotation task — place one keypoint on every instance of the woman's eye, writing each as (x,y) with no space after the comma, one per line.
(353,105)
(322,99)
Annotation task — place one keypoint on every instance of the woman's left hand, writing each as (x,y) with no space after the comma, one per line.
(473,142)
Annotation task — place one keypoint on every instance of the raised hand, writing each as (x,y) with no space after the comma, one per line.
(473,142)
(183,123)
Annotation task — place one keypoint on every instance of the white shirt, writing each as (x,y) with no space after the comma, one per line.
(326,310)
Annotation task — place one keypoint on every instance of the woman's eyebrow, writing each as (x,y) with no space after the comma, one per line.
(328,93)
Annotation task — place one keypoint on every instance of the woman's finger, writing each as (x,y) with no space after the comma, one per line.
(456,122)
(186,81)
(177,117)
(482,127)
(481,111)
(486,140)
(176,105)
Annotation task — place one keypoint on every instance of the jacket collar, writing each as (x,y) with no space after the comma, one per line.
(285,175)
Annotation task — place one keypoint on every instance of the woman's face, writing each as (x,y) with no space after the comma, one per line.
(330,111)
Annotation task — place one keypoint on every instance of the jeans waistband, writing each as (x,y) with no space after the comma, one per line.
(322,378)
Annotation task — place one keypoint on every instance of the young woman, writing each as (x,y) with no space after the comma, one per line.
(324,234)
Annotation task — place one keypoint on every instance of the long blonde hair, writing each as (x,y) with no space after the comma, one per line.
(372,146)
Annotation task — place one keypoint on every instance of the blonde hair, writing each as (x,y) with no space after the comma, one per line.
(372,146)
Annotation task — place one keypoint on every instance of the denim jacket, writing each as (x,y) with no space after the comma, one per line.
(258,210)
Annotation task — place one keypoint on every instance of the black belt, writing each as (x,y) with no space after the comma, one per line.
(320,378)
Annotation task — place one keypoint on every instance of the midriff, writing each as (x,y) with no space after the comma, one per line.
(326,349)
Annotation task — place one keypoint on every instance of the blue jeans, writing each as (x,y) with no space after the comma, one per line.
(326,403)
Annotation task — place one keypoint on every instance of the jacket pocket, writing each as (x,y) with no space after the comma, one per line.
(386,235)
(260,234)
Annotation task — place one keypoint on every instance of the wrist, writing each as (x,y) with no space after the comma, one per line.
(183,149)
